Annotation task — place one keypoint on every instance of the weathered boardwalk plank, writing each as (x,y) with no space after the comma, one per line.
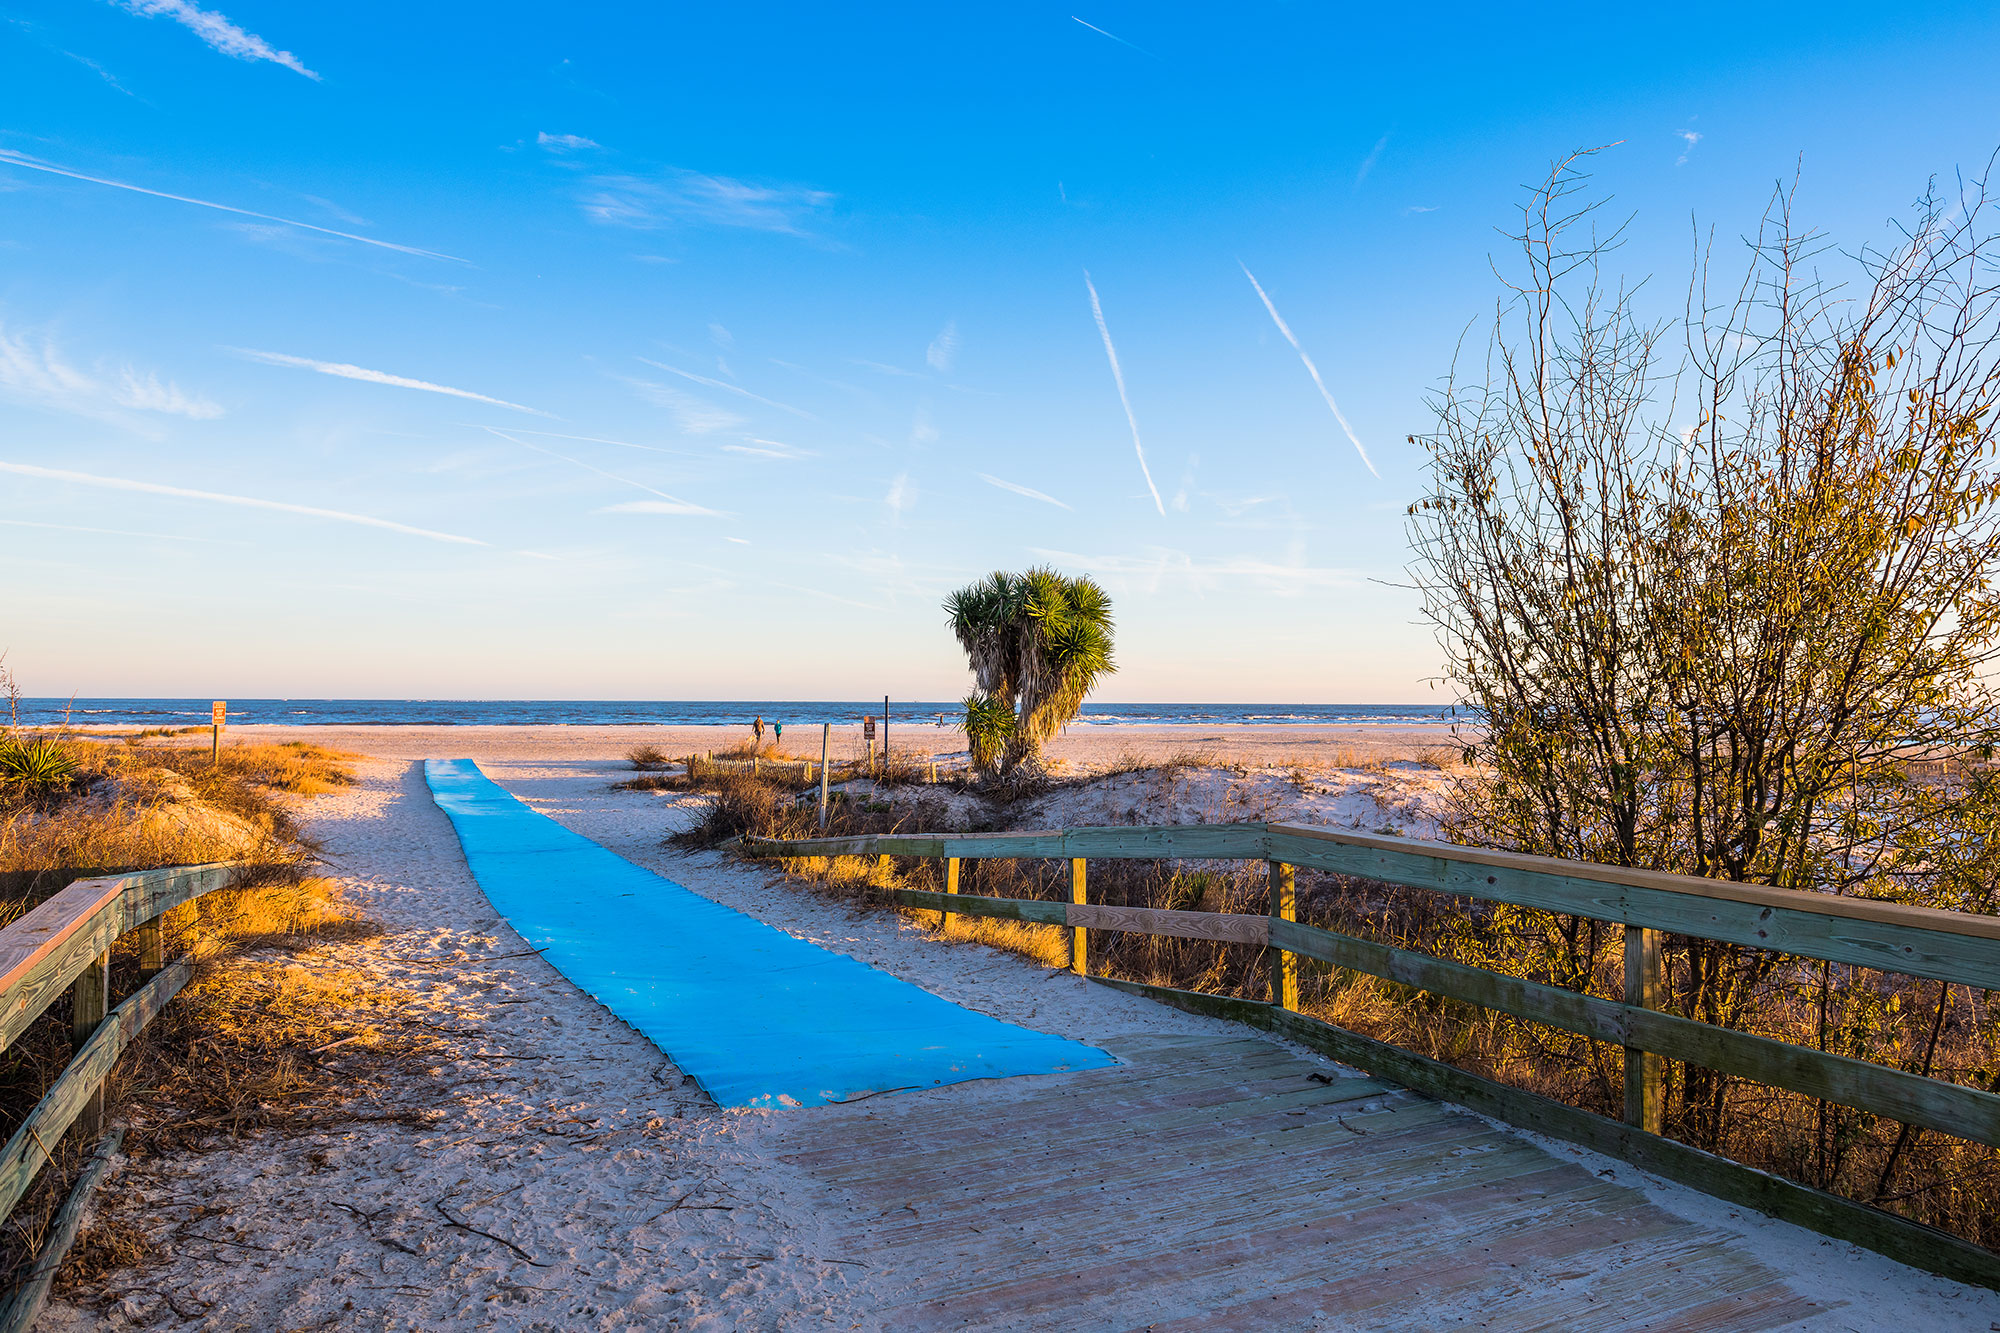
(1223,1183)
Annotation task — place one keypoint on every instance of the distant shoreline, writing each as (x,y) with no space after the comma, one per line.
(181,712)
(1330,745)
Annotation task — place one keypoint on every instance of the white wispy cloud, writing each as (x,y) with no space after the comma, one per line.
(676,196)
(18,159)
(727,387)
(1185,490)
(883,368)
(1019,489)
(1113,36)
(1690,138)
(342,370)
(1118,375)
(218,32)
(150,393)
(99,71)
(696,416)
(1368,162)
(768,449)
(35,370)
(563,143)
(943,348)
(1311,369)
(242,501)
(661,503)
(902,495)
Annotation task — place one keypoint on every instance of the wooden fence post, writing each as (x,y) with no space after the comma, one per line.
(1079,947)
(950,886)
(1282,966)
(152,949)
(90,1001)
(825,739)
(1644,1101)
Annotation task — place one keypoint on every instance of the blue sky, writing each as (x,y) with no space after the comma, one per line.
(698,351)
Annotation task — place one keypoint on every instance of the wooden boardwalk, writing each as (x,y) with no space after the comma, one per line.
(1224,1183)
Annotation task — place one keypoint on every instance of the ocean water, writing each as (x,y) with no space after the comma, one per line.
(648,712)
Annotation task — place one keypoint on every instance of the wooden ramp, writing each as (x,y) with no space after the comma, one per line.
(1218,1183)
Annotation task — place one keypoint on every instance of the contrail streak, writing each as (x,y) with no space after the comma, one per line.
(247,502)
(1097,310)
(590,439)
(1311,369)
(1113,36)
(728,388)
(1019,489)
(8,155)
(680,506)
(342,370)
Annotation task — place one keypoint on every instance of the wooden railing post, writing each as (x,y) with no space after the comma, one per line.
(950,886)
(1283,966)
(152,949)
(1644,1100)
(825,740)
(90,1001)
(1079,947)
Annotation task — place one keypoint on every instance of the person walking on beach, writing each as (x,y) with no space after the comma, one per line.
(757,733)
(778,735)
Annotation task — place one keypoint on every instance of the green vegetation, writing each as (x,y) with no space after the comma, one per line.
(1037,643)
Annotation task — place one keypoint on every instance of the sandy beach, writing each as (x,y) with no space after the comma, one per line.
(1082,747)
(554,1170)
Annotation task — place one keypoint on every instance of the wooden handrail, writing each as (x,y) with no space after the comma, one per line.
(65,943)
(1918,941)
(51,946)
(1929,942)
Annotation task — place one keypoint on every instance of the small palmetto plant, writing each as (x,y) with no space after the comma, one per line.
(35,769)
(1037,643)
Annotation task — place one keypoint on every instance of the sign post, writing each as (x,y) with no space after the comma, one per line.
(868,739)
(218,715)
(825,740)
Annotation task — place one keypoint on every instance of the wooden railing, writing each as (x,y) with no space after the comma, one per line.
(64,945)
(1947,946)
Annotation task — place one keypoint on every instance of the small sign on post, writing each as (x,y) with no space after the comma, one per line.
(218,716)
(868,739)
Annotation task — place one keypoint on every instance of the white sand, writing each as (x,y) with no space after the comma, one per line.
(633,1204)
(1085,747)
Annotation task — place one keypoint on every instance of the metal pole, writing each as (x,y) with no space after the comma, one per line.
(825,739)
(885,735)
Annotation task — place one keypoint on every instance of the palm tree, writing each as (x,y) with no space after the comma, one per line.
(1037,643)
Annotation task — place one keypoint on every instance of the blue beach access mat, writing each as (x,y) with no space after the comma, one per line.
(758,1017)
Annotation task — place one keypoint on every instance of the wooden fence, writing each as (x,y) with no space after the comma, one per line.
(64,946)
(1953,947)
(803,771)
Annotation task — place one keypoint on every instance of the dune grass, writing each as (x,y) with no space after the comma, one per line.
(235,1051)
